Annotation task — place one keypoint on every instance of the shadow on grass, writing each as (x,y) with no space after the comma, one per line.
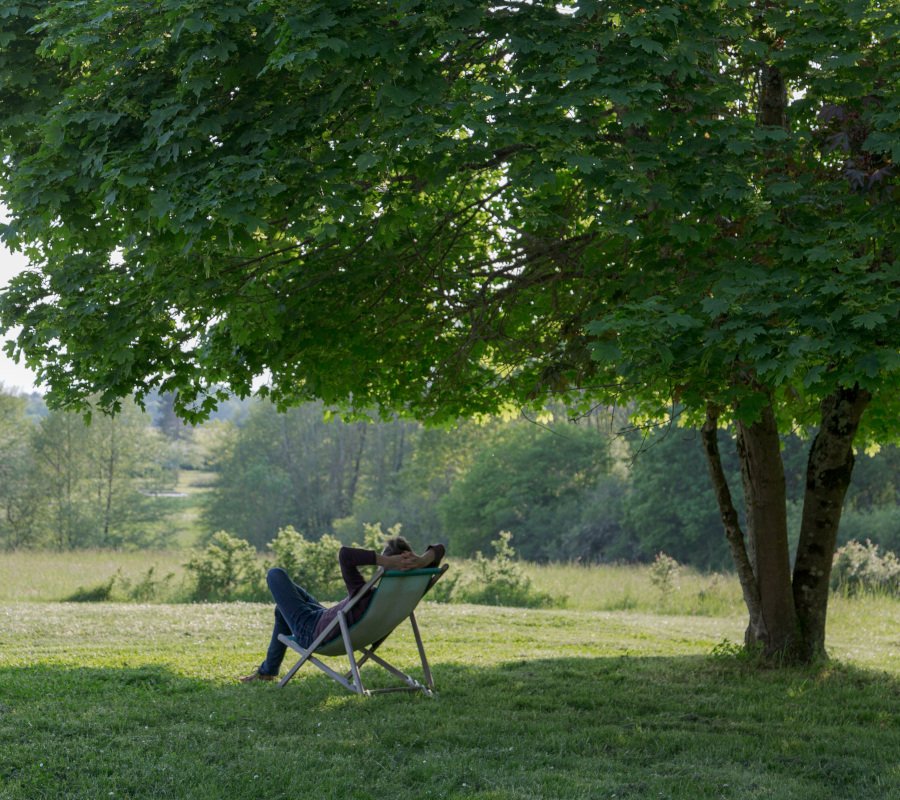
(688,727)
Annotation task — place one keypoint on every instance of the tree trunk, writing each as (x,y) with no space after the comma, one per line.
(828,475)
(361,429)
(772,97)
(762,471)
(756,631)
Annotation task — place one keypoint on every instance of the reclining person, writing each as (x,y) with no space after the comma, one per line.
(298,613)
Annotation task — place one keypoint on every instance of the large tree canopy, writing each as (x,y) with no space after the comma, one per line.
(445,207)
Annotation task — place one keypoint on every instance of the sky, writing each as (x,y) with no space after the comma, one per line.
(12,375)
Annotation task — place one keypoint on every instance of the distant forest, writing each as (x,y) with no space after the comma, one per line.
(587,490)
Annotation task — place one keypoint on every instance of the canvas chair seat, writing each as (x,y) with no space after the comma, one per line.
(395,595)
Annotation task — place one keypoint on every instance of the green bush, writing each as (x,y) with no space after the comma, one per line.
(312,565)
(119,588)
(444,589)
(93,594)
(374,538)
(664,575)
(145,588)
(499,581)
(226,569)
(860,569)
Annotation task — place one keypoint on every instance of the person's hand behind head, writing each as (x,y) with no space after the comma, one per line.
(403,561)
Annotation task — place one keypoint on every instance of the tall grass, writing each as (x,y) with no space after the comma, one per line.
(53,576)
(42,576)
(629,588)
(622,591)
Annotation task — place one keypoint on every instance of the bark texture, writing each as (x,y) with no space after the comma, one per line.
(762,472)
(756,630)
(772,97)
(828,473)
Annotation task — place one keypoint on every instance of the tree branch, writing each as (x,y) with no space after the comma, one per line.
(710,436)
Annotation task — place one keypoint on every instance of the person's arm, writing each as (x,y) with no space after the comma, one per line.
(410,560)
(351,559)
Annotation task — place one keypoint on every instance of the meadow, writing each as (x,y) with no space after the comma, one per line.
(623,693)
(47,576)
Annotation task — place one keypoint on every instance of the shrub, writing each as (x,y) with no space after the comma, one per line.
(664,574)
(313,565)
(118,587)
(374,538)
(500,581)
(93,594)
(287,547)
(880,525)
(145,588)
(860,569)
(443,591)
(226,569)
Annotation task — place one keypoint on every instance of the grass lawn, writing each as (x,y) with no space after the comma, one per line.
(139,701)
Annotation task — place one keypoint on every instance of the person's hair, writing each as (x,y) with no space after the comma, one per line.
(395,545)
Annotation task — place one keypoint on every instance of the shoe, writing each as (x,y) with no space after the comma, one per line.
(257,676)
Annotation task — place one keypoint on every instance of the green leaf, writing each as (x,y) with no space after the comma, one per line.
(606,352)
(648,45)
(869,321)
(714,306)
(366,161)
(160,204)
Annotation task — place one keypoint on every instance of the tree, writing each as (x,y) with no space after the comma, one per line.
(19,497)
(529,480)
(96,481)
(670,506)
(292,468)
(410,491)
(128,462)
(60,452)
(453,207)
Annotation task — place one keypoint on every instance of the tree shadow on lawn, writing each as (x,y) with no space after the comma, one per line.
(639,727)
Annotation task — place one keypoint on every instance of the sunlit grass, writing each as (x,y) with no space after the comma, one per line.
(52,576)
(629,588)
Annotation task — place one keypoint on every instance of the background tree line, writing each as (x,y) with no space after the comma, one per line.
(566,490)
(65,484)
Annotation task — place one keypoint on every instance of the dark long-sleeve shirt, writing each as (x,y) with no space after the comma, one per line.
(351,559)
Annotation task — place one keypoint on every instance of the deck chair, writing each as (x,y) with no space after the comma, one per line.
(395,595)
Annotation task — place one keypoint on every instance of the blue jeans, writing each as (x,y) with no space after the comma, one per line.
(297,613)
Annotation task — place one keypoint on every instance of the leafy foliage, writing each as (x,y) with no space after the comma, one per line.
(689,204)
(226,569)
(500,580)
(569,198)
(69,485)
(19,496)
(297,468)
(312,565)
(664,574)
(860,568)
(879,525)
(527,479)
(670,505)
